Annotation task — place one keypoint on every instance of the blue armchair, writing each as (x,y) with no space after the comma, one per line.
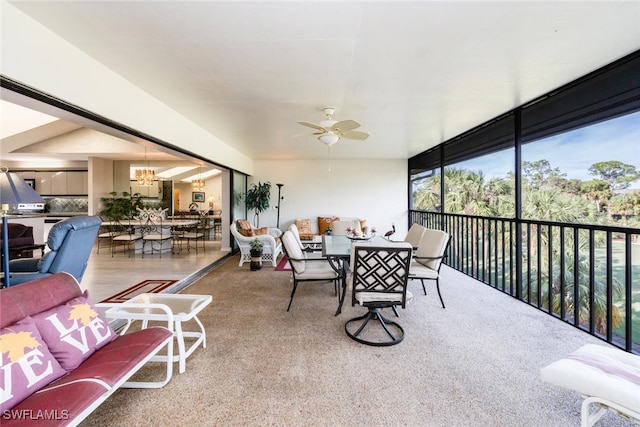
(70,242)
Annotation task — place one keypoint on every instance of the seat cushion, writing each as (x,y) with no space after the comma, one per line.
(595,370)
(418,270)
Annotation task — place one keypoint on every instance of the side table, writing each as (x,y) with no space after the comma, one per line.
(174,308)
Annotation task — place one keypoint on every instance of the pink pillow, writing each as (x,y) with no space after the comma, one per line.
(74,331)
(27,364)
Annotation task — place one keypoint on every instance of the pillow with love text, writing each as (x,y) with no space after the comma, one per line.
(74,331)
(26,363)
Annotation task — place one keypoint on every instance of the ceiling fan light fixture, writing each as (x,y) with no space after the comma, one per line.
(328,139)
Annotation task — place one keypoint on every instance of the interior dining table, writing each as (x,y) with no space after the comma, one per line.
(337,250)
(167,224)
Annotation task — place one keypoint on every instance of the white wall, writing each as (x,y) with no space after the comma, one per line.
(375,190)
(39,58)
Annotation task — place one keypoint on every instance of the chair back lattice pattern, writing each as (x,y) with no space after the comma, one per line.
(381,269)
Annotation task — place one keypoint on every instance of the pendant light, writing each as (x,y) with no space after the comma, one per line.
(145,176)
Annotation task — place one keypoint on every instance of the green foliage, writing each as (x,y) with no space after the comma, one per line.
(257,198)
(619,175)
(256,244)
(120,207)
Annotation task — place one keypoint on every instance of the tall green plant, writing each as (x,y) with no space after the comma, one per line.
(257,198)
(119,207)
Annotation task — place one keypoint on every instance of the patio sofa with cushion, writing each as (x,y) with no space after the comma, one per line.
(60,358)
(310,230)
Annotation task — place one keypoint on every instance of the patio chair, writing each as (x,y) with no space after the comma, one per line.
(414,235)
(379,275)
(606,377)
(307,269)
(432,249)
(271,239)
(307,252)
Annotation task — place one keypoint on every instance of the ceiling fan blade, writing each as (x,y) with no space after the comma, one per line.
(313,125)
(354,134)
(345,125)
(299,135)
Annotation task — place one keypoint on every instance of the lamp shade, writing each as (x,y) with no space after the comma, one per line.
(14,189)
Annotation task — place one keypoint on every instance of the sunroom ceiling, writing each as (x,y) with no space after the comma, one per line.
(412,73)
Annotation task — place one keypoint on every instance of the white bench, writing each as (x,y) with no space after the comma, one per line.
(606,377)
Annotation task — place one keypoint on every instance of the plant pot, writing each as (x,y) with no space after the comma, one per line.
(256,260)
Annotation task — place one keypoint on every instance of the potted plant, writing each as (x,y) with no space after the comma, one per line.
(257,198)
(256,254)
(120,207)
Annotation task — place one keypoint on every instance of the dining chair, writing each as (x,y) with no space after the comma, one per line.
(124,235)
(414,235)
(196,232)
(153,232)
(106,233)
(307,269)
(379,276)
(307,252)
(427,261)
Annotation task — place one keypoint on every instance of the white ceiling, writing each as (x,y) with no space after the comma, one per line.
(413,73)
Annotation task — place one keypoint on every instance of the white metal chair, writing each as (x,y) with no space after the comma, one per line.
(432,249)
(379,275)
(307,269)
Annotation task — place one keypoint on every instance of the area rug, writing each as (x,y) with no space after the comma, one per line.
(146,286)
(283,265)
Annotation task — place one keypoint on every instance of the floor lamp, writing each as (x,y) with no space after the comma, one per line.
(280,185)
(13,190)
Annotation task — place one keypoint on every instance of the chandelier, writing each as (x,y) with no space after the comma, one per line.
(145,176)
(198,184)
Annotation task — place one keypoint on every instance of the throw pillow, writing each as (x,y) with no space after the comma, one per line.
(27,364)
(325,222)
(304,226)
(74,331)
(261,231)
(244,227)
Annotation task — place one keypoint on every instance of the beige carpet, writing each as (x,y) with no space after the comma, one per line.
(475,363)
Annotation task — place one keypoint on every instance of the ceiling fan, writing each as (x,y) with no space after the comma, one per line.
(330,131)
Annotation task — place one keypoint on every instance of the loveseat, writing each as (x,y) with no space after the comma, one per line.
(310,229)
(60,357)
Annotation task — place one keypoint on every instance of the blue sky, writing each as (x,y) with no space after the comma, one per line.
(574,152)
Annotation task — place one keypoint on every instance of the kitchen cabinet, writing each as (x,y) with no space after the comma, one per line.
(62,183)
(77,183)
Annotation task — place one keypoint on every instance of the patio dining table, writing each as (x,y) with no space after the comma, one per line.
(337,250)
